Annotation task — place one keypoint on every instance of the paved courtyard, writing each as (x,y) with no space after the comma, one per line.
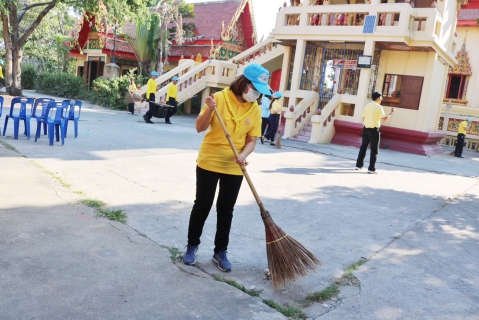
(415,225)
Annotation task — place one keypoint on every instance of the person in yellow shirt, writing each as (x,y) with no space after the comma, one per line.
(373,114)
(461,135)
(275,114)
(151,89)
(1,71)
(131,96)
(172,99)
(216,161)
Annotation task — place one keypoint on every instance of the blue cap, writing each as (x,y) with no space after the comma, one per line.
(154,73)
(175,78)
(259,76)
(1,61)
(278,94)
(468,120)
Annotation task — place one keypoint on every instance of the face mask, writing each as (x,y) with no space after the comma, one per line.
(252,95)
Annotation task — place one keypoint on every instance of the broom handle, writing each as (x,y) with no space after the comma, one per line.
(245,173)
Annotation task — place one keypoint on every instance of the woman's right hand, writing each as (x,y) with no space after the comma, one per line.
(210,102)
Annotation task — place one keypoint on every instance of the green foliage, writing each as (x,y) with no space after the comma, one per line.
(29,75)
(60,84)
(111,214)
(111,92)
(287,310)
(92,203)
(326,294)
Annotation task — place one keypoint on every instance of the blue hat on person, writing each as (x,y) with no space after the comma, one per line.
(154,73)
(278,94)
(175,78)
(1,61)
(468,120)
(259,76)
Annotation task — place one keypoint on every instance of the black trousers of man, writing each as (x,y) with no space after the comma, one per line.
(370,137)
(152,107)
(206,183)
(459,145)
(171,111)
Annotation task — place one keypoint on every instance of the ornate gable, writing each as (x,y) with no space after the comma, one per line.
(463,66)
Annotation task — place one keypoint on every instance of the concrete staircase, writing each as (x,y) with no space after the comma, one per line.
(304,134)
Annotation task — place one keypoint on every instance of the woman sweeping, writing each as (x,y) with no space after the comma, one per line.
(275,109)
(216,161)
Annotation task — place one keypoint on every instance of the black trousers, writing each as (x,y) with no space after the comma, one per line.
(151,107)
(273,127)
(131,107)
(171,111)
(206,182)
(459,144)
(371,137)
(264,123)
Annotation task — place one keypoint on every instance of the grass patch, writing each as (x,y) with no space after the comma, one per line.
(58,178)
(9,146)
(92,203)
(287,310)
(326,294)
(111,214)
(79,192)
(355,266)
(175,254)
(253,292)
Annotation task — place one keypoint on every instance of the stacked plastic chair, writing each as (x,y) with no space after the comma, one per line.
(40,112)
(24,113)
(56,119)
(74,110)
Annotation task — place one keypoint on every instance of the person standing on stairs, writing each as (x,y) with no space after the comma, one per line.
(151,89)
(275,113)
(172,99)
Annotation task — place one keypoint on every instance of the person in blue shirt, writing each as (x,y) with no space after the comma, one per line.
(265,103)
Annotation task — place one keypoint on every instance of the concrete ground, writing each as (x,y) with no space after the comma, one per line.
(415,224)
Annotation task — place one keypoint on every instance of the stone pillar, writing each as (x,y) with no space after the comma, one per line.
(285,68)
(206,92)
(298,69)
(187,108)
(363,85)
(111,70)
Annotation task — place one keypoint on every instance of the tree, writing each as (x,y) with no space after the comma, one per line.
(16,29)
(154,35)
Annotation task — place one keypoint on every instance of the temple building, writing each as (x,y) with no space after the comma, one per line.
(222,30)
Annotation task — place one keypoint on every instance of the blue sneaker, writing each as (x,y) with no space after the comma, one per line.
(189,257)
(222,261)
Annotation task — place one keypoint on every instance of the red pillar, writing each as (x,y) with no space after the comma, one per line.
(275,80)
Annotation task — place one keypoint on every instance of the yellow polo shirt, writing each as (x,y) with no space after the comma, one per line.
(150,88)
(462,127)
(372,114)
(132,88)
(276,107)
(215,152)
(172,92)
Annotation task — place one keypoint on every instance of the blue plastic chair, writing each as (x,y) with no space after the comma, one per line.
(1,106)
(39,113)
(56,122)
(74,110)
(24,113)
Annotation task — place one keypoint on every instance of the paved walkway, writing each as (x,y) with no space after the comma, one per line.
(415,222)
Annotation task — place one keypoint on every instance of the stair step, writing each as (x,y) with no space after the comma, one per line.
(308,128)
(305,133)
(301,138)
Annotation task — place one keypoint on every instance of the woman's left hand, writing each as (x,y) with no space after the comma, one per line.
(241,160)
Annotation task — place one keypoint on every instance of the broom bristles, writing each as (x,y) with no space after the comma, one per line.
(288,259)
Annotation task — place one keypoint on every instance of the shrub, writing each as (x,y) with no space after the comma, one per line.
(111,92)
(60,84)
(29,74)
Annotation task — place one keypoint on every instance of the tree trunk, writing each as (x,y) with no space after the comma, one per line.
(16,76)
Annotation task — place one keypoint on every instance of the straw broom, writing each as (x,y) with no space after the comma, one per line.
(287,258)
(278,134)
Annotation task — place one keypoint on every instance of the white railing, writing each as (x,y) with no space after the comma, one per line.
(323,128)
(299,117)
(259,53)
(393,19)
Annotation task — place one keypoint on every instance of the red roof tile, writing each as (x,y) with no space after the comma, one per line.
(210,15)
(468,14)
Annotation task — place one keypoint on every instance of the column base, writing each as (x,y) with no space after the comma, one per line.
(410,141)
